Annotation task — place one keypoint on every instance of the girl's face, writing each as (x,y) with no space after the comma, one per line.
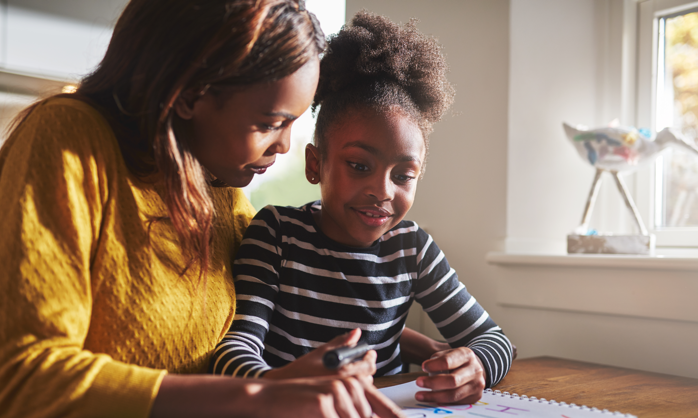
(240,136)
(368,178)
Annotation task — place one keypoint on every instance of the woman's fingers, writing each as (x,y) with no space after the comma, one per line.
(352,398)
(344,403)
(381,405)
(356,392)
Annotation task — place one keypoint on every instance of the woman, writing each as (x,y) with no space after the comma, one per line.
(119,223)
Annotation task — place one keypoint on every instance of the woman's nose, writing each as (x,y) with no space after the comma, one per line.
(282,143)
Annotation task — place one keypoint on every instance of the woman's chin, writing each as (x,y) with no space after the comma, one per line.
(238,180)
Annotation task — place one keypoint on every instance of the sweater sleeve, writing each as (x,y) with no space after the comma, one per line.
(458,316)
(54,187)
(256,273)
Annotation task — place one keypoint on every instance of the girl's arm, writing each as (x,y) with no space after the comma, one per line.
(257,288)
(416,348)
(482,355)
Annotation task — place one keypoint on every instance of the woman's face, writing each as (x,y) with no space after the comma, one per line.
(240,135)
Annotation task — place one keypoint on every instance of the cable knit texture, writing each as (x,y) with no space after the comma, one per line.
(94,310)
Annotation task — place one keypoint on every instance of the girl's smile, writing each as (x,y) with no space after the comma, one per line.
(368,175)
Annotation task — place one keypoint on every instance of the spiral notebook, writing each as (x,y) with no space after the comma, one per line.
(494,404)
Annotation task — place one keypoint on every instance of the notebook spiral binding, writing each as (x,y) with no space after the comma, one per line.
(563,404)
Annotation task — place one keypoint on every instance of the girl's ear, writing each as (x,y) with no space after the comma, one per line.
(312,164)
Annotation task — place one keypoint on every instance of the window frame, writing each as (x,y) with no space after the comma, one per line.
(649,13)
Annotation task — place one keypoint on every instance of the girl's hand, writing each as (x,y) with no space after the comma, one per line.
(311,363)
(325,397)
(455,376)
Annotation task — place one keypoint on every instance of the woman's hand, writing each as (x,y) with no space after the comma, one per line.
(311,364)
(325,397)
(222,396)
(455,376)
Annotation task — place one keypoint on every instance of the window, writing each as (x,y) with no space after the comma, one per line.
(284,183)
(676,190)
(668,97)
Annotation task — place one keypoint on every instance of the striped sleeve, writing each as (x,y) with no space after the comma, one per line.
(256,286)
(458,316)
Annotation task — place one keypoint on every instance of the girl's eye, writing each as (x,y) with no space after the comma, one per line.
(403,178)
(357,166)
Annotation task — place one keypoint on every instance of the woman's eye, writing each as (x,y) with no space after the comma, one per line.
(267,127)
(357,166)
(270,128)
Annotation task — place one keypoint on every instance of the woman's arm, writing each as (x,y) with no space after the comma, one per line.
(215,396)
(52,172)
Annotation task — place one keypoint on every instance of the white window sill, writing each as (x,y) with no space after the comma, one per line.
(670,261)
(658,287)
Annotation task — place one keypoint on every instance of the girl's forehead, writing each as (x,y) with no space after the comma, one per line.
(383,133)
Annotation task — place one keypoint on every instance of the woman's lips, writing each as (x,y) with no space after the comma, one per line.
(260,169)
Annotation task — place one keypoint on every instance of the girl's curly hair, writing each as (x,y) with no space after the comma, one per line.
(377,63)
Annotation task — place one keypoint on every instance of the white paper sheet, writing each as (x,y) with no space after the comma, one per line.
(492,405)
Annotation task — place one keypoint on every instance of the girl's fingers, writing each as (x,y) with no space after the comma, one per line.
(444,361)
(454,379)
(466,394)
(365,366)
(351,338)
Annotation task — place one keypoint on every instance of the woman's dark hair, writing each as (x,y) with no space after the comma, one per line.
(163,48)
(377,63)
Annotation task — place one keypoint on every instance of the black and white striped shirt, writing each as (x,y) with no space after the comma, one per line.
(297,289)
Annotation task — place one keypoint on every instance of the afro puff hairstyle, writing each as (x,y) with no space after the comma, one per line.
(376,63)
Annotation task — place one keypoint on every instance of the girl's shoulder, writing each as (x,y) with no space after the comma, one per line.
(288,217)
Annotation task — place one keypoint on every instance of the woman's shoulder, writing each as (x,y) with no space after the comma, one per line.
(67,124)
(66,111)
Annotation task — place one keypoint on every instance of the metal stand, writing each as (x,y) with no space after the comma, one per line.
(581,242)
(594,192)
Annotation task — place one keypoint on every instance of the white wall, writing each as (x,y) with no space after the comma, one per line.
(59,38)
(502,176)
(567,64)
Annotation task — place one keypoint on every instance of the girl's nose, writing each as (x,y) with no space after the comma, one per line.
(382,188)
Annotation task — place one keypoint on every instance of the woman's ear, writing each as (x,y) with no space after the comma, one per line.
(312,164)
(184,105)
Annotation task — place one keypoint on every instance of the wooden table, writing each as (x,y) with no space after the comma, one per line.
(644,394)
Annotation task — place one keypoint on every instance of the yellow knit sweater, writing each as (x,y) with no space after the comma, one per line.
(93,310)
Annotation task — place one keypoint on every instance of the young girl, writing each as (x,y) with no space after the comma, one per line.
(306,275)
